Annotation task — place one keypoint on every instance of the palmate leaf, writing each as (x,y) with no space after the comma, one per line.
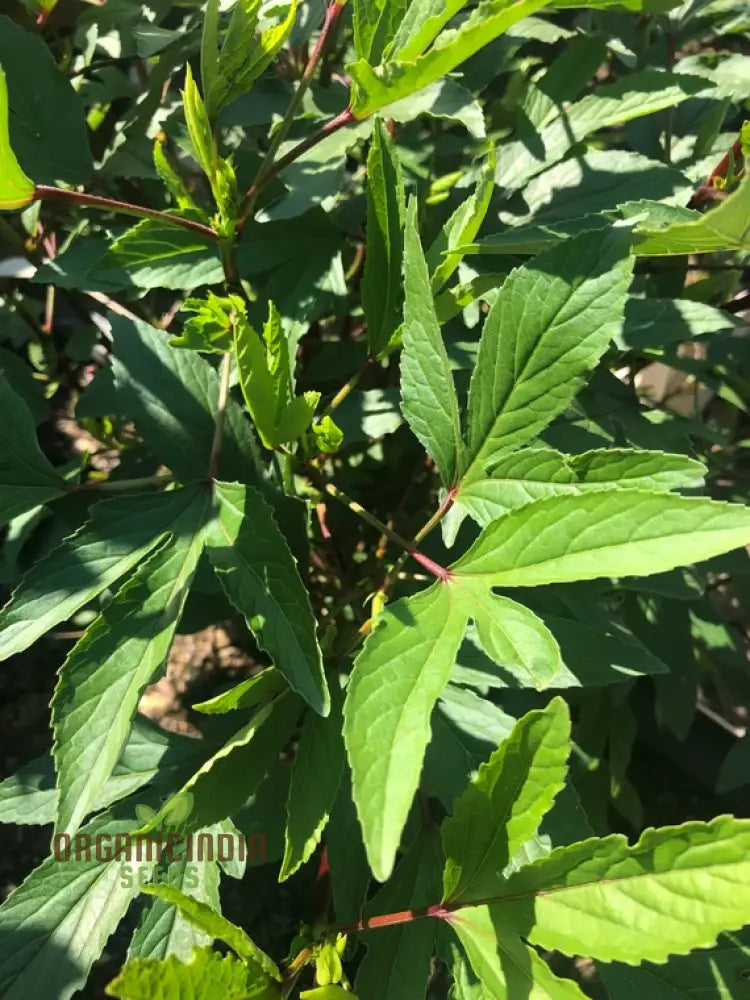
(202,916)
(261,578)
(381,282)
(28,478)
(628,533)
(428,395)
(54,926)
(502,807)
(107,670)
(533,473)
(662,896)
(506,966)
(120,533)
(550,324)
(208,974)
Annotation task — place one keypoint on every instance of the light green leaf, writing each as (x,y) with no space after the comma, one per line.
(662,896)
(510,634)
(377,86)
(121,532)
(724,227)
(261,578)
(296,418)
(229,63)
(533,473)
(199,127)
(428,394)
(549,325)
(624,533)
(154,254)
(277,358)
(208,974)
(247,694)
(462,227)
(381,282)
(375,24)
(210,328)
(397,963)
(316,776)
(397,678)
(233,774)
(163,930)
(102,679)
(16,189)
(503,806)
(210,68)
(28,479)
(506,966)
(214,924)
(255,379)
(56,924)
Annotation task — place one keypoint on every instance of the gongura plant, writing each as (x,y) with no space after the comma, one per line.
(368,379)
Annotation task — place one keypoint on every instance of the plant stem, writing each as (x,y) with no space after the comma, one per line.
(248,204)
(112,486)
(409,548)
(347,387)
(221,405)
(44,193)
(267,168)
(423,532)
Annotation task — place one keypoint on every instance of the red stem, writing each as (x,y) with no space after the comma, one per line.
(44,193)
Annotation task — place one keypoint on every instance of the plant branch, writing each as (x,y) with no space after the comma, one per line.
(248,204)
(348,386)
(44,193)
(409,548)
(221,405)
(115,485)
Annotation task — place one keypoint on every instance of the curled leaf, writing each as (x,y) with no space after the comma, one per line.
(16,189)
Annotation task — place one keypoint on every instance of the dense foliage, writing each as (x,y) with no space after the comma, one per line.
(407,339)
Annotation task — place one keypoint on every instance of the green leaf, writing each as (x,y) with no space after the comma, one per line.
(397,678)
(229,62)
(261,578)
(397,77)
(199,127)
(233,774)
(155,254)
(316,775)
(533,473)
(47,123)
(375,24)
(625,533)
(210,66)
(462,227)
(662,896)
(210,328)
(510,634)
(239,70)
(208,975)
(121,532)
(397,963)
(503,806)
(28,479)
(247,694)
(428,394)
(549,325)
(381,283)
(506,966)
(725,227)
(214,924)
(151,756)
(172,397)
(56,924)
(255,379)
(16,189)
(102,679)
(163,930)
